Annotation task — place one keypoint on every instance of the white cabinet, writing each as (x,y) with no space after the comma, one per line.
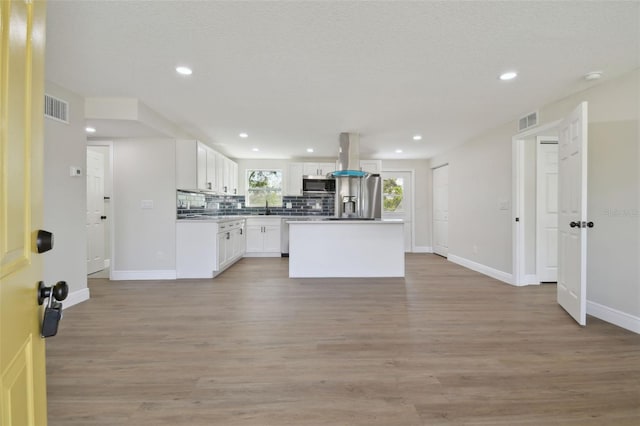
(195,166)
(205,249)
(318,169)
(263,237)
(371,166)
(198,167)
(294,179)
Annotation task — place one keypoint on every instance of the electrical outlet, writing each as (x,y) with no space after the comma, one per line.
(289,205)
(475,249)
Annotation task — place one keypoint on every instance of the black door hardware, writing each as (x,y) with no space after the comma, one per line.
(575,224)
(44,241)
(53,310)
(103,217)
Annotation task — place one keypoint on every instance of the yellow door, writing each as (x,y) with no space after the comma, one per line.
(22,354)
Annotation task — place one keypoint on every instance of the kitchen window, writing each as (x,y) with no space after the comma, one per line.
(264,186)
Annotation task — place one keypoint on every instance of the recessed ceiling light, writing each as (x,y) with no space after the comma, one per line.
(309,149)
(90,129)
(398,151)
(417,138)
(184,70)
(255,150)
(508,75)
(244,135)
(593,75)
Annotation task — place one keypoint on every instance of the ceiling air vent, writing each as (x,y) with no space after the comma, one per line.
(528,121)
(56,109)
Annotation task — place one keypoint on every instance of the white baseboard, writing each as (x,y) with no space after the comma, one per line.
(614,316)
(107,263)
(76,297)
(483,269)
(160,274)
(422,249)
(531,279)
(262,255)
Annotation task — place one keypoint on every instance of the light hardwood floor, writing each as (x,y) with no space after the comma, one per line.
(444,346)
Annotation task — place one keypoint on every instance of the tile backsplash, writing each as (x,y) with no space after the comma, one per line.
(189,203)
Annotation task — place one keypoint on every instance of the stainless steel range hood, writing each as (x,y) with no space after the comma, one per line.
(349,152)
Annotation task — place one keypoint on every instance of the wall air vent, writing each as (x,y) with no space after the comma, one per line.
(56,109)
(528,121)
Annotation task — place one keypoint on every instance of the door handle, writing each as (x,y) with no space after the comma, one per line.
(574,224)
(60,291)
(103,217)
(589,224)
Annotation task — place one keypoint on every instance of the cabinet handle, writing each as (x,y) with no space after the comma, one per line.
(240,231)
(228,235)
(225,189)
(208,185)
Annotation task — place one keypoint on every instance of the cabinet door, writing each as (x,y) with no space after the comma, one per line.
(371,166)
(271,239)
(325,168)
(211,170)
(310,169)
(294,180)
(255,239)
(201,167)
(233,178)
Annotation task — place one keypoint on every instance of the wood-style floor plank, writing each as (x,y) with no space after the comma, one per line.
(444,346)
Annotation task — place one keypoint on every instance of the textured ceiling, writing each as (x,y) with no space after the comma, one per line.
(295,74)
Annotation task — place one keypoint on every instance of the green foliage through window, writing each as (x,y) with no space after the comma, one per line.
(392,194)
(264,186)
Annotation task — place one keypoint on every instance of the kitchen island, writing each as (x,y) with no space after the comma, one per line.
(346,248)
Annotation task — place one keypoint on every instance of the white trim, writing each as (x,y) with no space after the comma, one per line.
(422,249)
(76,297)
(160,274)
(614,316)
(530,279)
(262,254)
(483,269)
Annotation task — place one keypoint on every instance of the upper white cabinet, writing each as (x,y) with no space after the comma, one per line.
(318,169)
(294,179)
(198,167)
(371,166)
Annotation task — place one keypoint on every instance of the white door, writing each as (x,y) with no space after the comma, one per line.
(572,220)
(547,209)
(441,210)
(95,211)
(397,202)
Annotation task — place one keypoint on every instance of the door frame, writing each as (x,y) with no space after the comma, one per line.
(112,201)
(412,172)
(518,216)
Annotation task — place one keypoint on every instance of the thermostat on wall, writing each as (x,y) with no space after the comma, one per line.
(75,171)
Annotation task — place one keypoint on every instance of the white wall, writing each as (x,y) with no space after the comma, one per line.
(480,176)
(65,197)
(144,241)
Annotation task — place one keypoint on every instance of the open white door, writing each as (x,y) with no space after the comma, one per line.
(95,211)
(572,220)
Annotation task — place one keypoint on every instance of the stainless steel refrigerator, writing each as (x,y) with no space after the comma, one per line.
(358,197)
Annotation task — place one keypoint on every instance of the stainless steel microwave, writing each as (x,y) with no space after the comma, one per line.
(318,185)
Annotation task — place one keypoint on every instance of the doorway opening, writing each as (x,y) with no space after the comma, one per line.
(99,209)
(535,209)
(441,210)
(398,201)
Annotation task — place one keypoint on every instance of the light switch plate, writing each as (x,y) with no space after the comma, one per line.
(75,171)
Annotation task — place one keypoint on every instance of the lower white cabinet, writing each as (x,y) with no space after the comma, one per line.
(263,237)
(204,249)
